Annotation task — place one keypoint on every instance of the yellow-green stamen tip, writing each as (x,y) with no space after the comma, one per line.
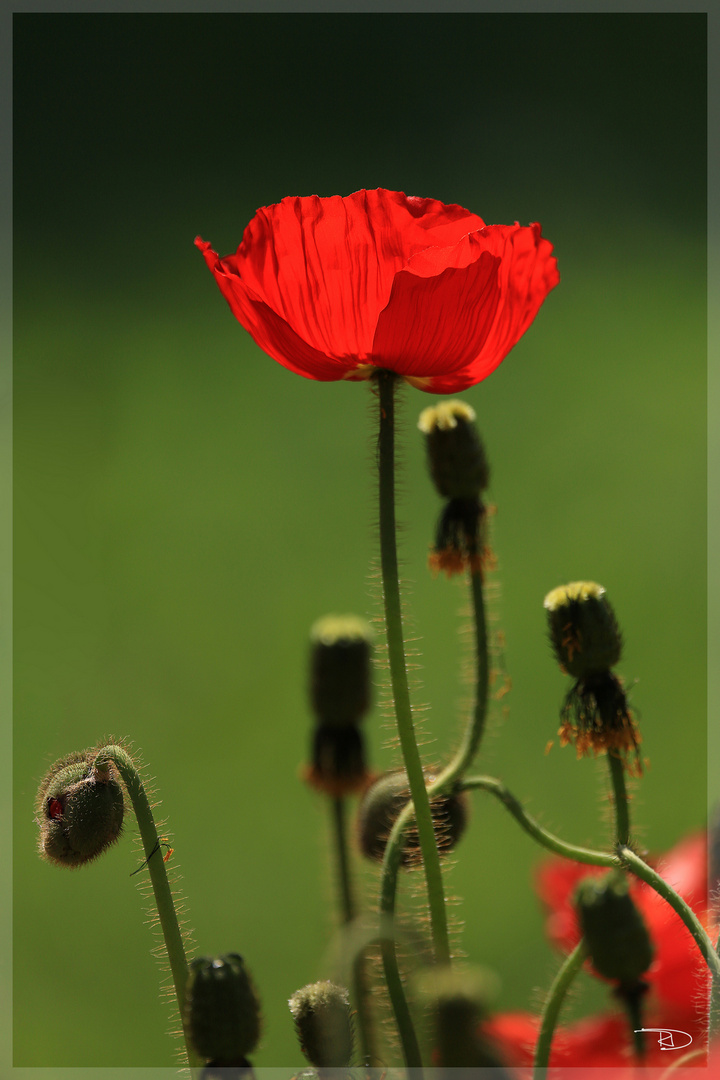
(445,416)
(333,628)
(575,591)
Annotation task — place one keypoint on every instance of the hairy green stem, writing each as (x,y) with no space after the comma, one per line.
(622,803)
(158,875)
(386,381)
(348,910)
(533,828)
(551,1009)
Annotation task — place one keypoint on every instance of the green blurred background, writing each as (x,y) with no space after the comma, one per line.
(185,508)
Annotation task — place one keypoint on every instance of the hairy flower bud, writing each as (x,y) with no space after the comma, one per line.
(456,456)
(221,1014)
(79,810)
(583,629)
(615,934)
(381,806)
(340,669)
(323,1022)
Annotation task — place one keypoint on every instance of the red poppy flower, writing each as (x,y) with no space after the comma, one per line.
(335,288)
(678,977)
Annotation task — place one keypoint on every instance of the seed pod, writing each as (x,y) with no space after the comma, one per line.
(79,810)
(381,806)
(323,1022)
(340,670)
(221,1014)
(616,937)
(456,456)
(583,629)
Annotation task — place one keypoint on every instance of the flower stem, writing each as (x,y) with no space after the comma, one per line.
(622,803)
(533,828)
(396,991)
(347,901)
(474,731)
(158,875)
(646,873)
(551,1009)
(348,910)
(398,669)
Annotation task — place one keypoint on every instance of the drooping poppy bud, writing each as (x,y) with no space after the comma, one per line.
(618,943)
(340,688)
(586,641)
(460,472)
(615,934)
(79,810)
(381,805)
(221,1014)
(456,1002)
(323,1021)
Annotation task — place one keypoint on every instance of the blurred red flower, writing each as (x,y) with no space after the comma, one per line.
(678,977)
(335,288)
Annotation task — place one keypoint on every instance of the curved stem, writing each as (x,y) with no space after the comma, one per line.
(622,803)
(396,991)
(348,909)
(474,731)
(533,828)
(158,875)
(551,1009)
(641,869)
(398,669)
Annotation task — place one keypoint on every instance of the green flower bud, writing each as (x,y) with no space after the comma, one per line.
(456,456)
(381,806)
(323,1022)
(616,937)
(583,629)
(340,670)
(221,1014)
(79,810)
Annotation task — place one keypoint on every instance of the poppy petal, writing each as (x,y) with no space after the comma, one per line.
(436,325)
(268,330)
(527,273)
